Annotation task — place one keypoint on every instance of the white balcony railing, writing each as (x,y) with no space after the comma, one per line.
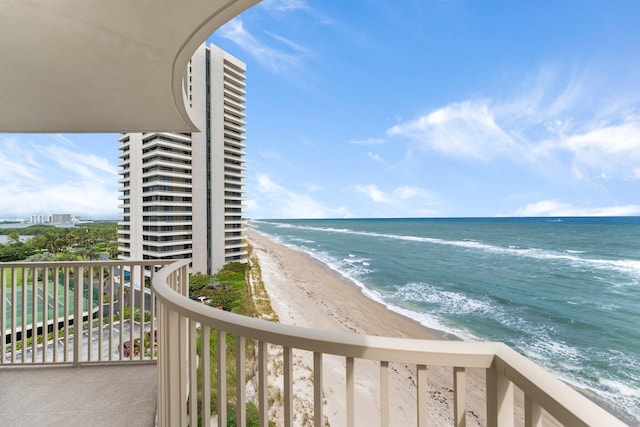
(41,308)
(47,319)
(185,367)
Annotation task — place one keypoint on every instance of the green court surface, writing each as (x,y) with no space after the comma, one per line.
(40,303)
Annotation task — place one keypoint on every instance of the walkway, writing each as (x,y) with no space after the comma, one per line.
(90,395)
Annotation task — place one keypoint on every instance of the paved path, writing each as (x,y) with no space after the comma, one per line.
(120,395)
(107,347)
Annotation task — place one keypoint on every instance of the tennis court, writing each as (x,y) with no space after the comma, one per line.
(50,298)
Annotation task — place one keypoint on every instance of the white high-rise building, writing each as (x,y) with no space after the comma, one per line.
(61,219)
(182,194)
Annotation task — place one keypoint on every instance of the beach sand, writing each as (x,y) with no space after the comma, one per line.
(307,293)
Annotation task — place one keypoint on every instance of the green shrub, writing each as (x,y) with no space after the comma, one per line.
(199,281)
(227,289)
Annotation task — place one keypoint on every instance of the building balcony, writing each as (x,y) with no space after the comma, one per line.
(231,129)
(236,226)
(167,232)
(236,140)
(166,175)
(233,157)
(234,152)
(178,157)
(236,78)
(229,86)
(52,326)
(114,350)
(234,177)
(236,104)
(228,109)
(167,253)
(235,120)
(165,190)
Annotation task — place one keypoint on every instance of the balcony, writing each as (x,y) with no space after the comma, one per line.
(41,311)
(117,361)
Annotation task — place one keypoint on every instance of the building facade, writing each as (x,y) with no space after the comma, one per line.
(62,219)
(182,194)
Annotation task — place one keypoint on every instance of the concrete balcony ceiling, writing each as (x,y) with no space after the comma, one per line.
(101,66)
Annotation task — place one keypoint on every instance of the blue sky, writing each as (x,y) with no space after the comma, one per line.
(425,108)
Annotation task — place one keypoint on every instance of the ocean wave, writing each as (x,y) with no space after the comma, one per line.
(625,398)
(347,271)
(630,267)
(574,368)
(426,319)
(347,268)
(448,302)
(301,240)
(354,259)
(432,322)
(578,366)
(543,348)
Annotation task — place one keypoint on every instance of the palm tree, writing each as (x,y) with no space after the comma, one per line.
(113,250)
(14,237)
(92,254)
(49,242)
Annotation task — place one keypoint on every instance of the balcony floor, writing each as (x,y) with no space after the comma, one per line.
(89,395)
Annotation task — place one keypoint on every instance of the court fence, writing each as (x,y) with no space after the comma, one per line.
(77,312)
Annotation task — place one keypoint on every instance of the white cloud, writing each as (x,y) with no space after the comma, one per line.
(285,5)
(312,187)
(554,208)
(408,192)
(376,157)
(44,174)
(270,154)
(81,198)
(401,201)
(289,43)
(368,141)
(612,150)
(276,60)
(275,201)
(88,167)
(465,129)
(16,164)
(283,8)
(373,192)
(553,126)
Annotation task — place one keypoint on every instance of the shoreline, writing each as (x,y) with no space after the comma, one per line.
(434,333)
(305,292)
(411,328)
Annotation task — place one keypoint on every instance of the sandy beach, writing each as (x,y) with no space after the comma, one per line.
(306,293)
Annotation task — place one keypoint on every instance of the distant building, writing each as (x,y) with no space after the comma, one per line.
(62,219)
(39,219)
(12,221)
(182,194)
(54,219)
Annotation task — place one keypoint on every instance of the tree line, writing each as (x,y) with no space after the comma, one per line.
(51,243)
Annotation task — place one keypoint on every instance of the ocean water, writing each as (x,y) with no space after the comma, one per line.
(564,292)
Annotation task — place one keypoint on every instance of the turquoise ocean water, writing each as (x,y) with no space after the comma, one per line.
(564,292)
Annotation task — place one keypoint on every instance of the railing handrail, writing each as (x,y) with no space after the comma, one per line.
(78,311)
(323,341)
(559,399)
(105,263)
